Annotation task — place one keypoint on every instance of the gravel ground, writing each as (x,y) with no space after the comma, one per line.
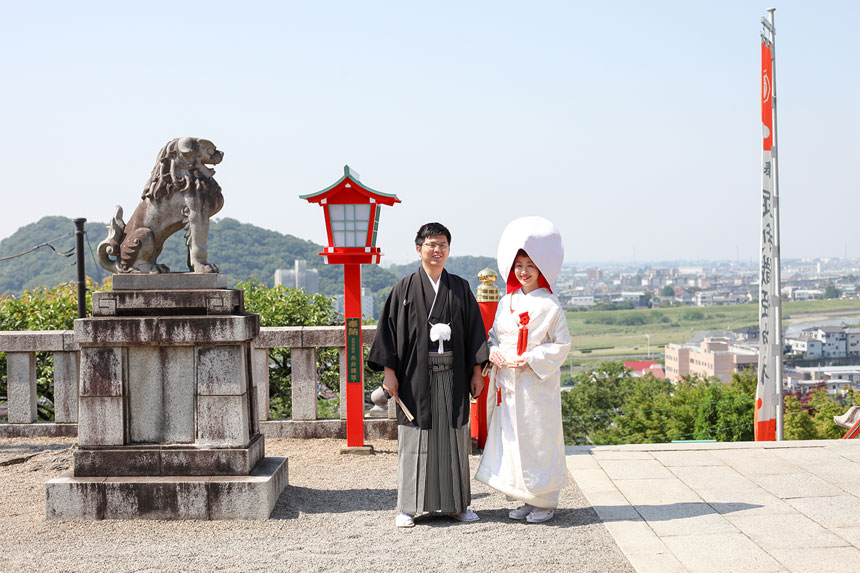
(337,514)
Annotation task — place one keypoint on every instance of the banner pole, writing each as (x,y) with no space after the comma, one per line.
(777,265)
(769,406)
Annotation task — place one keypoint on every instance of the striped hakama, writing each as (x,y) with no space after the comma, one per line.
(433,464)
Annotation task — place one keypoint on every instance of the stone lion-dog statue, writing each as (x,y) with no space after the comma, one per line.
(180,194)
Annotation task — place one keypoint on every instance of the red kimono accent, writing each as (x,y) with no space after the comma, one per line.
(523,335)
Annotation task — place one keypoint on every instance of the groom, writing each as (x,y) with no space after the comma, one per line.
(432,379)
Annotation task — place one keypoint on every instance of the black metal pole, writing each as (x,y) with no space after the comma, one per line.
(82,272)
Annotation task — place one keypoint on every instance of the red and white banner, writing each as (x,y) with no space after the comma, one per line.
(768,391)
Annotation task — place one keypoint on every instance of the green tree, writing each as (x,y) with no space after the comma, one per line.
(643,418)
(832,292)
(608,406)
(667,290)
(824,408)
(814,420)
(591,405)
(726,414)
(797,424)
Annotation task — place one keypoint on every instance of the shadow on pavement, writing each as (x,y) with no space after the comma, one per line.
(669,511)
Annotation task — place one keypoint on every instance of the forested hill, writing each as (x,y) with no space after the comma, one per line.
(240,250)
(467,267)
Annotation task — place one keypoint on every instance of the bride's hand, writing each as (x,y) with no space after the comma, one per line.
(497,358)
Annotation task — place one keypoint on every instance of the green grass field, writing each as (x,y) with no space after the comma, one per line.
(622,332)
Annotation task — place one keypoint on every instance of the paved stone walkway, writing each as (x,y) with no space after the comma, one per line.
(777,506)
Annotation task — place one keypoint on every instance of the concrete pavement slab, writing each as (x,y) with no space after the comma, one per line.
(852,488)
(808,457)
(854,456)
(755,462)
(682,518)
(846,472)
(581,461)
(612,507)
(769,531)
(837,511)
(656,563)
(777,506)
(713,477)
(656,491)
(608,454)
(642,539)
(592,480)
(638,469)
(801,484)
(849,534)
(720,552)
(749,501)
(818,559)
(687,458)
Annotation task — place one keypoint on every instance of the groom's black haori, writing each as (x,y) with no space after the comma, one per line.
(403,343)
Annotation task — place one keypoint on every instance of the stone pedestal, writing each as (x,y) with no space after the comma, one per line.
(167,424)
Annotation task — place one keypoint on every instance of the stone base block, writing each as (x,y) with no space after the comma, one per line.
(357,450)
(209,497)
(167,302)
(374,429)
(155,460)
(168,281)
(38,430)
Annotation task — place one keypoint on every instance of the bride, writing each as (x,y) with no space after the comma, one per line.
(524,453)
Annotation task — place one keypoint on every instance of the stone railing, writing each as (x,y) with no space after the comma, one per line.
(304,342)
(20,348)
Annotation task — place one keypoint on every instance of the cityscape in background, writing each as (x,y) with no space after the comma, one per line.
(821,356)
(703,283)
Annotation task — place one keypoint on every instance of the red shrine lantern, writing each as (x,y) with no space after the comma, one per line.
(351,219)
(352,225)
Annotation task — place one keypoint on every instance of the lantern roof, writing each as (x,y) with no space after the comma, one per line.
(348,189)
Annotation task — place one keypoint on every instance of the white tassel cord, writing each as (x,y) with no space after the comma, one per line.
(441,332)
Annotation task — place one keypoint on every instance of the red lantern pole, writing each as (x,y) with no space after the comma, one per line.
(488,302)
(354,356)
(352,221)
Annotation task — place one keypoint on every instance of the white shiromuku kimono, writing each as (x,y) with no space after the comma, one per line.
(524,454)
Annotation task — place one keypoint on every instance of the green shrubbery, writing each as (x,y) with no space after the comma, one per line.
(608,406)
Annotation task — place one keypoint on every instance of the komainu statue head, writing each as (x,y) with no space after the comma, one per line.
(180,194)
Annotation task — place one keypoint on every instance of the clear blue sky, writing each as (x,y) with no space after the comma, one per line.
(634,126)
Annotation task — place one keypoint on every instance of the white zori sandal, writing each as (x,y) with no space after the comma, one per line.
(540,514)
(404,520)
(466,516)
(521,512)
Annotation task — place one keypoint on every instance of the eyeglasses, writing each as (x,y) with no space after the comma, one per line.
(433,246)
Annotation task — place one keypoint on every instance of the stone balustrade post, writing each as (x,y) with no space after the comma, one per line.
(21,387)
(66,365)
(304,383)
(260,375)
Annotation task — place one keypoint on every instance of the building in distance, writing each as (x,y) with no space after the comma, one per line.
(299,277)
(713,357)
